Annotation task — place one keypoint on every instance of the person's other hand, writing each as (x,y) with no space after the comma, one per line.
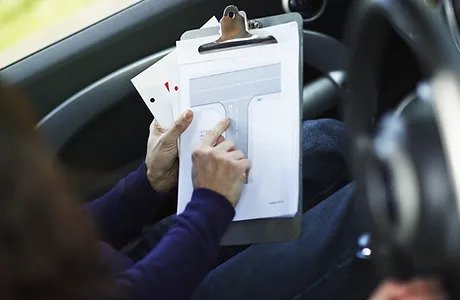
(218,166)
(161,158)
(417,289)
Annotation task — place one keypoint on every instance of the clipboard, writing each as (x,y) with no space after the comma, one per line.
(234,29)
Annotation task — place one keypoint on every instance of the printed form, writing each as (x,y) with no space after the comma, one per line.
(258,89)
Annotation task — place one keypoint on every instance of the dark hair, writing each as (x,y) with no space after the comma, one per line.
(47,249)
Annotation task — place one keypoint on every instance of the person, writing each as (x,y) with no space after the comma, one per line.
(48,250)
(192,245)
(320,264)
(414,289)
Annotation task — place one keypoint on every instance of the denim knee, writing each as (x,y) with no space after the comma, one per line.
(324,159)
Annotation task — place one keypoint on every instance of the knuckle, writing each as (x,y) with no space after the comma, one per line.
(164,143)
(247,167)
(242,165)
(204,152)
(214,154)
(178,124)
(197,153)
(160,142)
(234,164)
(228,165)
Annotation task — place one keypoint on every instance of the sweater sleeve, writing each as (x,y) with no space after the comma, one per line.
(175,268)
(120,214)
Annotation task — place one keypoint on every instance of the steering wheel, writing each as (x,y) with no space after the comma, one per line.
(407,168)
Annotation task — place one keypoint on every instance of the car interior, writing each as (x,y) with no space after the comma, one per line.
(80,86)
(95,121)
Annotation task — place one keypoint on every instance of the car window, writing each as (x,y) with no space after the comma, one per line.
(30,25)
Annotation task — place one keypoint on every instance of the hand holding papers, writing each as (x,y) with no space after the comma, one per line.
(253,77)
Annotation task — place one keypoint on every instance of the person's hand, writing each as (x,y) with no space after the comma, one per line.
(161,158)
(417,289)
(218,166)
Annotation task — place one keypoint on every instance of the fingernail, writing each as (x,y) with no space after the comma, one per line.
(188,114)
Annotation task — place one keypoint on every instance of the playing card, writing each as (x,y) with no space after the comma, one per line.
(154,86)
(159,86)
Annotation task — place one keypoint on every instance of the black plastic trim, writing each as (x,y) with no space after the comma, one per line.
(79,110)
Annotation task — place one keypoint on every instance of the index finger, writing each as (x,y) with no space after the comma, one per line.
(213,135)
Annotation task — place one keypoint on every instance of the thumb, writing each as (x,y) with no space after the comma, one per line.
(179,126)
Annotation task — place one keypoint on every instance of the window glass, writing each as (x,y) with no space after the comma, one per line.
(30,25)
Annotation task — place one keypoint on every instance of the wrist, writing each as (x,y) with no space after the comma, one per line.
(157,182)
(217,198)
(216,191)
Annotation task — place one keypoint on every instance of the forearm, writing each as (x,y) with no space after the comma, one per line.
(120,214)
(185,255)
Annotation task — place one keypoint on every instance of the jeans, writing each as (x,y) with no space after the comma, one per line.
(321,263)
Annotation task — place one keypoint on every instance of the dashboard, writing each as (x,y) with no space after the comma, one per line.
(318,14)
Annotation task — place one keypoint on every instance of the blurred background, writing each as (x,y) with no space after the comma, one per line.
(30,25)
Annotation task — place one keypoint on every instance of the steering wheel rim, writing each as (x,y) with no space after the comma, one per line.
(423,31)
(426,35)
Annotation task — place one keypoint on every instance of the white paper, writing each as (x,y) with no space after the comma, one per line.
(163,103)
(273,122)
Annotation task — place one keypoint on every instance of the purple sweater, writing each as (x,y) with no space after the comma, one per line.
(174,268)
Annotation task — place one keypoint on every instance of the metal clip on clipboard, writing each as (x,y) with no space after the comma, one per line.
(234,33)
